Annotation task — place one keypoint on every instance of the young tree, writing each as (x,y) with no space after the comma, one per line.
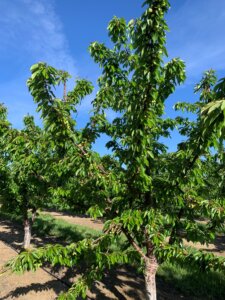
(23,186)
(146,194)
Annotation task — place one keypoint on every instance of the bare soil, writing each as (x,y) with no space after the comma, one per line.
(47,283)
(78,220)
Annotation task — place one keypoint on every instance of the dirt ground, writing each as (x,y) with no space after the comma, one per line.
(77,220)
(38,285)
(46,284)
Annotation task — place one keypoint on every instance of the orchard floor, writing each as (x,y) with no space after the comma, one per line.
(46,284)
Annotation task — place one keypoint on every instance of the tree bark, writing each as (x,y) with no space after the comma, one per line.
(27,234)
(27,229)
(64,91)
(151,267)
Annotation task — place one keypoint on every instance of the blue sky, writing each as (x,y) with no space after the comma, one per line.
(59,32)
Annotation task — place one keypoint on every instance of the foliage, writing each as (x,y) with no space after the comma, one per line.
(22,186)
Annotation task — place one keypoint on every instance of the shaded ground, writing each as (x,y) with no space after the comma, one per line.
(122,283)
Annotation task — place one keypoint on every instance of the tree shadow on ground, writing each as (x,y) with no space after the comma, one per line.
(118,283)
(11,234)
(219,245)
(37,287)
(123,282)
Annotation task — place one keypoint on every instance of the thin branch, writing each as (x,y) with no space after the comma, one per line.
(133,243)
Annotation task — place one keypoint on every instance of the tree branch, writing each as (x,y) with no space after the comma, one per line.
(133,243)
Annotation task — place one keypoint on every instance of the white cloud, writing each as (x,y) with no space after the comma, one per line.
(197,34)
(32,30)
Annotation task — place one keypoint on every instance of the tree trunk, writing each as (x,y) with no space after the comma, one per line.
(27,229)
(151,267)
(27,234)
(64,91)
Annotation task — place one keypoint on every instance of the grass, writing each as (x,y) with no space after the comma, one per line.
(46,225)
(193,283)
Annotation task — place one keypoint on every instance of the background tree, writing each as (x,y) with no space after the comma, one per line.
(23,186)
(4,126)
